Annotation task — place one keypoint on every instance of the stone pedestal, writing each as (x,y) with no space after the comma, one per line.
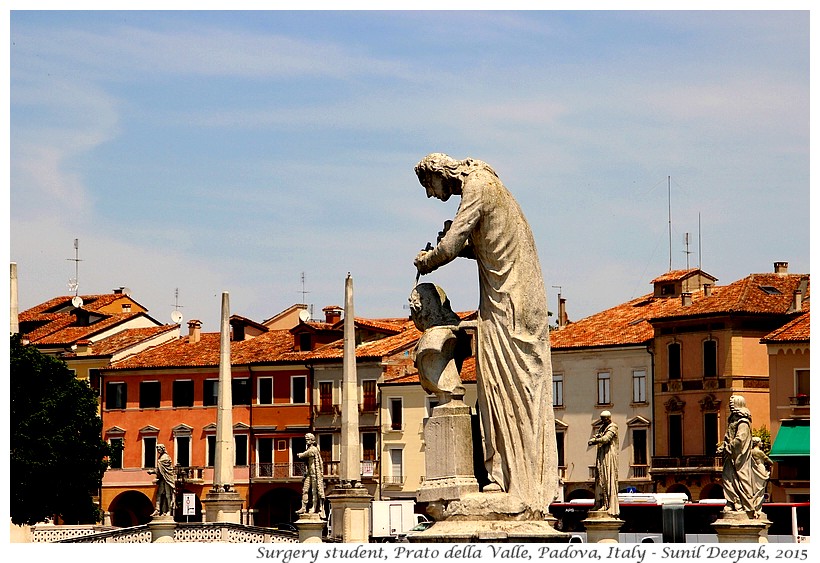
(221,506)
(737,527)
(448,444)
(350,514)
(310,526)
(162,529)
(487,517)
(601,527)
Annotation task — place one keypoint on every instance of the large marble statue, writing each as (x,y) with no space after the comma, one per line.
(313,490)
(606,466)
(514,372)
(166,483)
(761,471)
(736,450)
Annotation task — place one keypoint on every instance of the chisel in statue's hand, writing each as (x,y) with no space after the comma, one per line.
(427,248)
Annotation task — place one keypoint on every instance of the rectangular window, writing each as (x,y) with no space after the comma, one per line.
(395,414)
(116,395)
(559,441)
(149,394)
(604,397)
(183,391)
(297,446)
(326,447)
(675,435)
(149,451)
(241,391)
(369,446)
(265,391)
(210,392)
(94,379)
(211,453)
(801,377)
(182,451)
(369,395)
(639,452)
(298,389)
(558,390)
(639,386)
(115,459)
(326,397)
(397,465)
(240,448)
(710,358)
(711,435)
(674,360)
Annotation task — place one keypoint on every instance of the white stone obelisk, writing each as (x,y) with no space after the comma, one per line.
(350,462)
(224,455)
(14,307)
(223,504)
(350,501)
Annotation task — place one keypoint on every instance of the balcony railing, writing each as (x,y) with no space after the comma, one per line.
(639,471)
(280,470)
(393,480)
(189,474)
(691,461)
(327,409)
(799,401)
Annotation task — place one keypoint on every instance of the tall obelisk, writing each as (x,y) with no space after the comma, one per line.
(350,462)
(223,504)
(350,501)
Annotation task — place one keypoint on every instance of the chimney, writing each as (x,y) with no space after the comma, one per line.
(333,314)
(82,347)
(686,298)
(194,331)
(707,290)
(562,312)
(797,304)
(781,267)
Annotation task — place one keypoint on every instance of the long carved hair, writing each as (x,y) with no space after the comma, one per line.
(449,167)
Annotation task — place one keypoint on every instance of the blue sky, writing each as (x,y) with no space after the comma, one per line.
(237,151)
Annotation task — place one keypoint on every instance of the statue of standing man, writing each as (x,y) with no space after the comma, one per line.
(737,477)
(514,372)
(606,466)
(166,483)
(313,490)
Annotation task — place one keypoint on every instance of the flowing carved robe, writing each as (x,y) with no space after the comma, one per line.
(737,465)
(761,471)
(606,470)
(166,479)
(513,359)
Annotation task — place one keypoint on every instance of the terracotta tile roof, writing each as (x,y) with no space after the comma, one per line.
(678,275)
(797,330)
(409,374)
(124,339)
(630,322)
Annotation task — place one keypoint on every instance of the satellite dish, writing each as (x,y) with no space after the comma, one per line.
(304,315)
(126,291)
(77,301)
(176,317)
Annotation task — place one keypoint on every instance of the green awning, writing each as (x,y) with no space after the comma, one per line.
(792,440)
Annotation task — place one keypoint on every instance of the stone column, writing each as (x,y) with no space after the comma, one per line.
(601,527)
(310,526)
(223,503)
(350,501)
(162,529)
(14,306)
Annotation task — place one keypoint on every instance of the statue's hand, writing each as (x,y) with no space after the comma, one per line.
(421,262)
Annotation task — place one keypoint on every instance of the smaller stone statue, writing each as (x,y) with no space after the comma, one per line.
(761,471)
(166,483)
(606,466)
(313,489)
(443,346)
(736,450)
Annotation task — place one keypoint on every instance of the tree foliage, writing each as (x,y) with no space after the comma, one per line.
(57,453)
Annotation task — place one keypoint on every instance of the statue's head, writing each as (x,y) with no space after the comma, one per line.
(756,441)
(429,307)
(606,416)
(161,448)
(310,438)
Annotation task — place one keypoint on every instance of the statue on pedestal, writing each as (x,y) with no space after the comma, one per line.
(736,449)
(761,471)
(514,372)
(166,483)
(313,490)
(606,466)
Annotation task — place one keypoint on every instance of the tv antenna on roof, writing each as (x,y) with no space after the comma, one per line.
(304,292)
(176,315)
(74,283)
